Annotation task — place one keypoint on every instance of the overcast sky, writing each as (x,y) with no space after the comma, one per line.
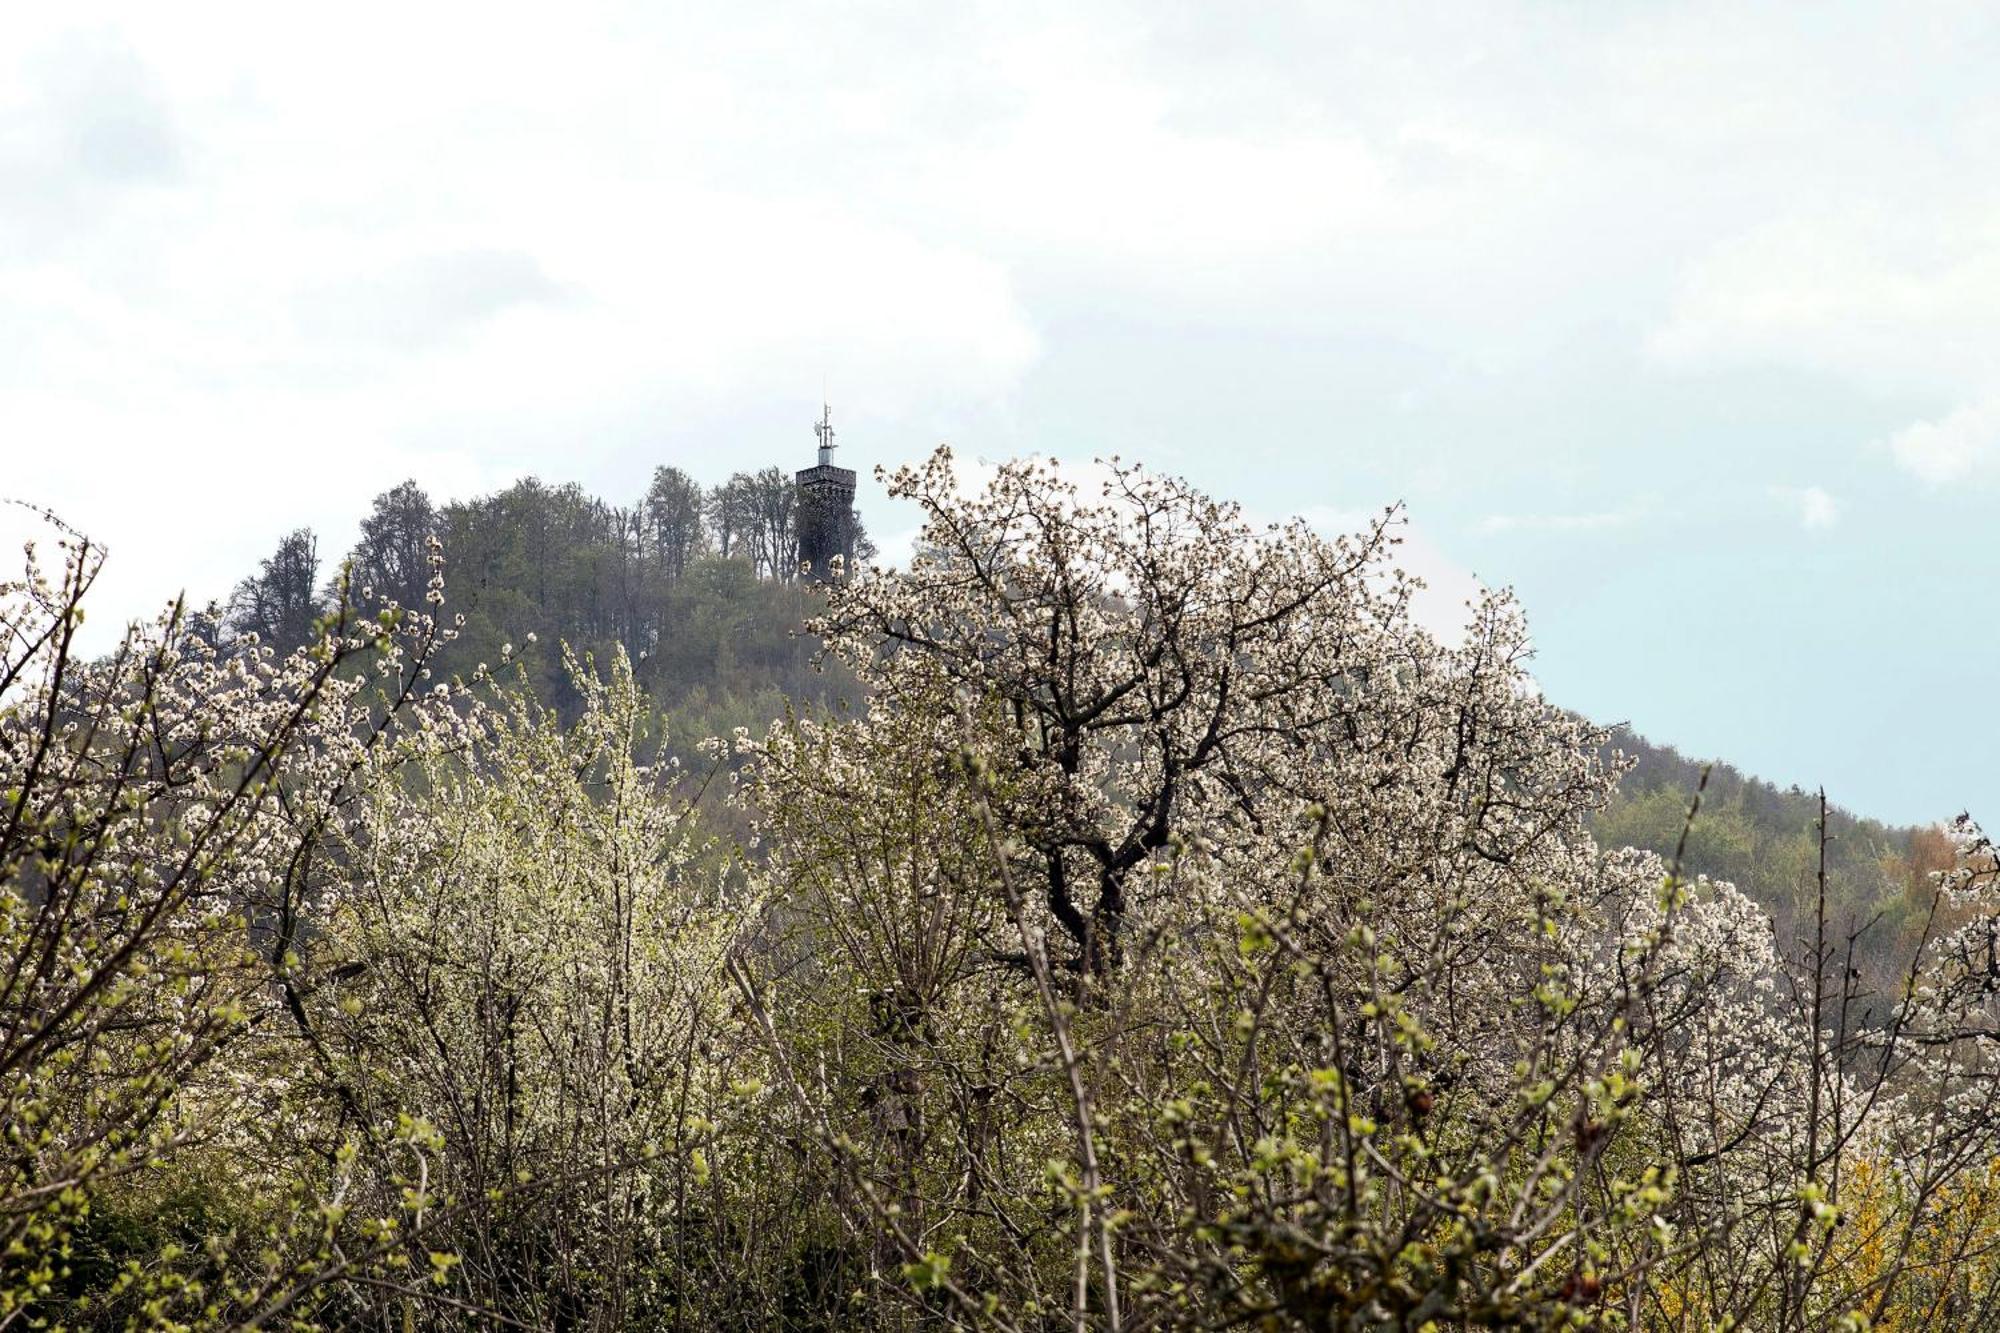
(1684,320)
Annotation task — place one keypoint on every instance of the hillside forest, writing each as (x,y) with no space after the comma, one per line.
(697,587)
(561,915)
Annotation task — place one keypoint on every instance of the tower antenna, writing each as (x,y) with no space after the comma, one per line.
(824,430)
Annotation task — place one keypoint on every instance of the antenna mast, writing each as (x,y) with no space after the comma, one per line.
(824,429)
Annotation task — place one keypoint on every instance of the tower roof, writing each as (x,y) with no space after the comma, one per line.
(826,474)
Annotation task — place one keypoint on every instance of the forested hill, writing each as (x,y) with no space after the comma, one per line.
(1765,839)
(695,584)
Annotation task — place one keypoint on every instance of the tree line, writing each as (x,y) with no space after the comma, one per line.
(698,587)
(1766,840)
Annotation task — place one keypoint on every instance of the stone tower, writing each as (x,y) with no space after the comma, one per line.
(826,508)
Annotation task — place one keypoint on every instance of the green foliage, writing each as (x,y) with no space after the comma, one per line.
(708,616)
(1765,840)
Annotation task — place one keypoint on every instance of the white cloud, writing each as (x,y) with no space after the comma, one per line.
(1870,259)
(1899,302)
(1952,448)
(1884,297)
(1816,509)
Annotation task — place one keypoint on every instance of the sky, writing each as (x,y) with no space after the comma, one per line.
(1680,320)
